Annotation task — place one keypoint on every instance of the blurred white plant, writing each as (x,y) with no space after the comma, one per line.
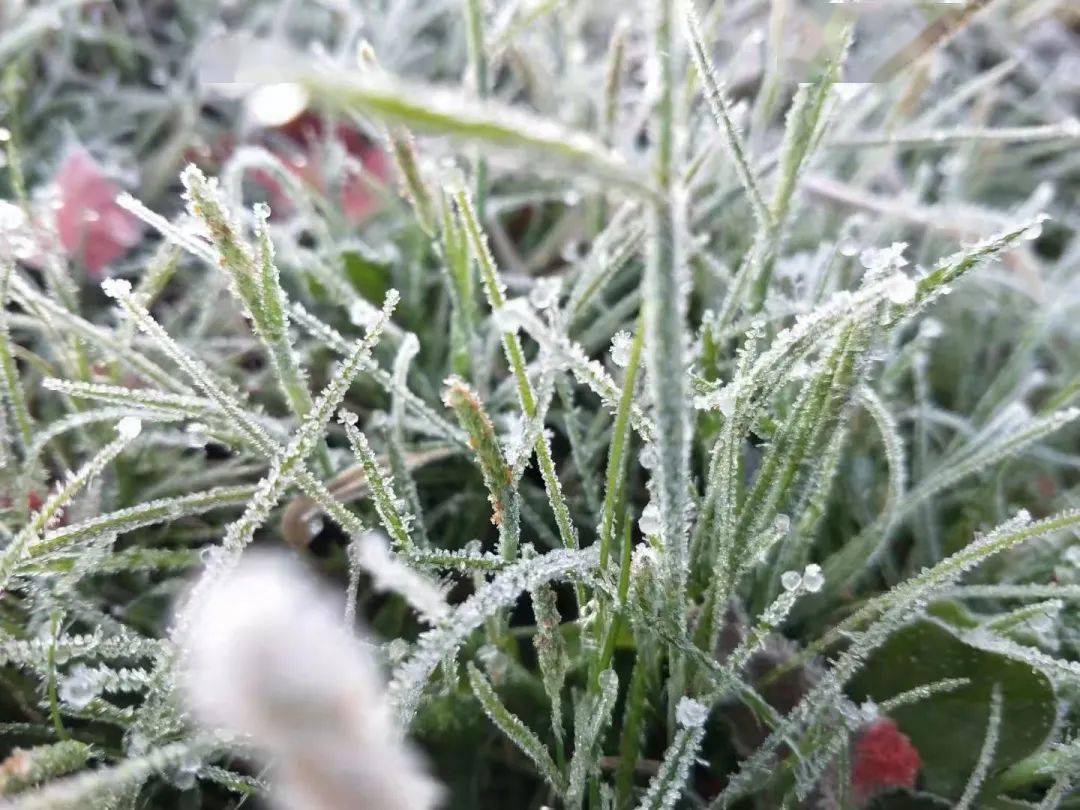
(269,657)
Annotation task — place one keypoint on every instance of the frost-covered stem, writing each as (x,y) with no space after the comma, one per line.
(666,787)
(515,356)
(478,66)
(16,550)
(620,434)
(9,372)
(663,299)
(714,94)
(986,754)
(256,282)
(615,482)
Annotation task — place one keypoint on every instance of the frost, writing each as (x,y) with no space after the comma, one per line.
(620,348)
(545,292)
(690,713)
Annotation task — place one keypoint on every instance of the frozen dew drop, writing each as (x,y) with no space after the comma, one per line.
(848,248)
(690,713)
(361,313)
(782,524)
(620,348)
(649,523)
(197,435)
(812,578)
(347,417)
(790,580)
(545,293)
(650,457)
(396,651)
(5,134)
(725,401)
(1034,231)
(900,288)
(116,287)
(314,524)
(273,105)
(129,427)
(78,687)
(505,318)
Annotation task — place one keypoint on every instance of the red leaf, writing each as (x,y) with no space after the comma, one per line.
(91,226)
(883,758)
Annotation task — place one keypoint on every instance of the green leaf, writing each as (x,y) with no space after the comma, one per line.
(948,729)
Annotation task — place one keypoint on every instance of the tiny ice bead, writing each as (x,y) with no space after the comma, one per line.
(790,580)
(129,427)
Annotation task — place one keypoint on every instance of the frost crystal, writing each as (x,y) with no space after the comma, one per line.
(620,348)
(690,713)
(880,259)
(545,293)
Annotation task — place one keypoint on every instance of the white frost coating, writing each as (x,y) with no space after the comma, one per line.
(129,427)
(433,646)
(267,655)
(690,713)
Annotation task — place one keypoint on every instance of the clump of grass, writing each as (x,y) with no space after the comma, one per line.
(705,418)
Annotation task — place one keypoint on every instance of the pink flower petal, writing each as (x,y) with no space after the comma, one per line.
(91,227)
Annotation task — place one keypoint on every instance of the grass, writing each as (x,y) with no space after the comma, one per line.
(440,405)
